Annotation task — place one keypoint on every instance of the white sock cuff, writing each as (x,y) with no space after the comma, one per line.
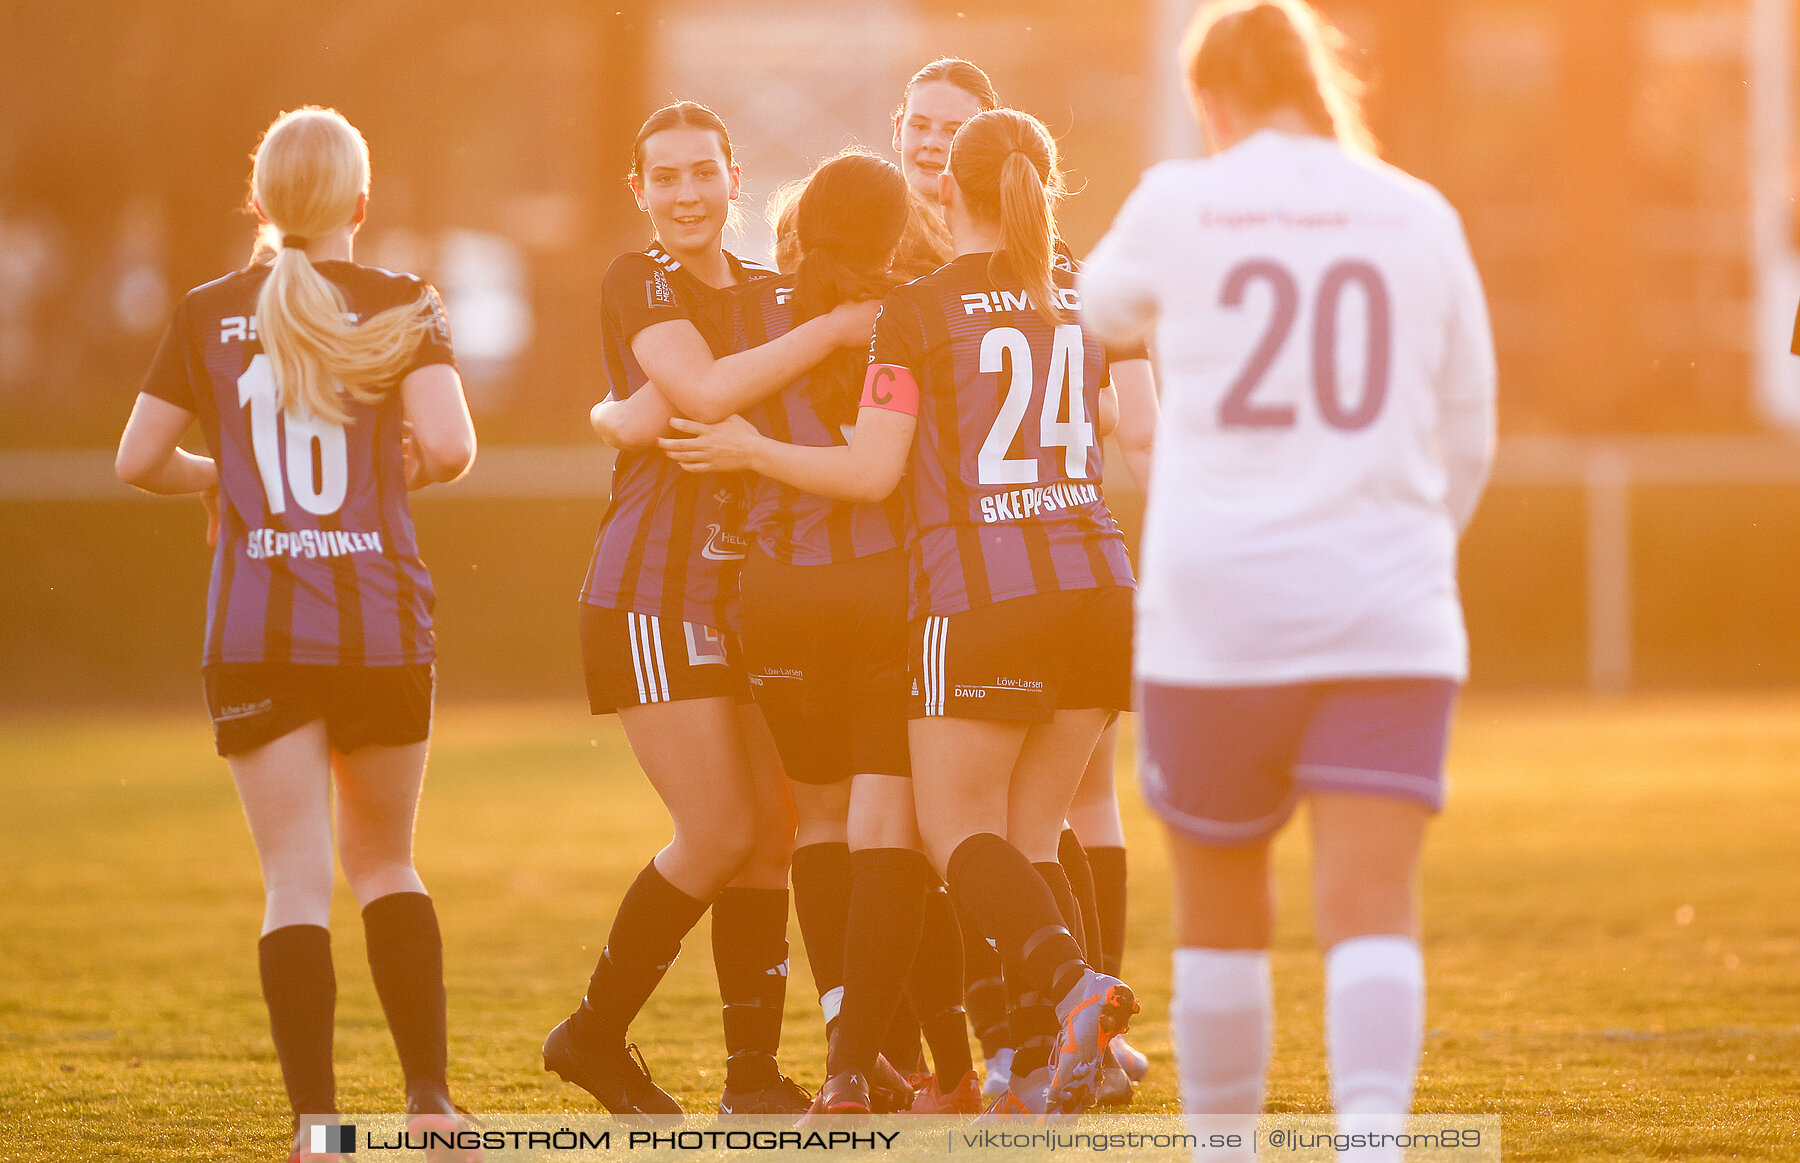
(1387,957)
(1222,979)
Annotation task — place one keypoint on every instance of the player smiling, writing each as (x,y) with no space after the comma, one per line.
(1020,627)
(657,615)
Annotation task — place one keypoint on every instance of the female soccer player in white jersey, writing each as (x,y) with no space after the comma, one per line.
(1328,386)
(658,613)
(305,372)
(1020,582)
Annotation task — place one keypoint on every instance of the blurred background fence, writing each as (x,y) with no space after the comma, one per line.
(1625,169)
(1654,562)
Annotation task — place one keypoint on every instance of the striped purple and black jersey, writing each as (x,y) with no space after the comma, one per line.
(316,561)
(788,524)
(671,542)
(1003,485)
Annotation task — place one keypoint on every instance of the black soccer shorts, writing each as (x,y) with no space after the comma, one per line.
(1024,659)
(253,703)
(825,648)
(631,659)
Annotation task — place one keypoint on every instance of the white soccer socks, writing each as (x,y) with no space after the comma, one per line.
(1222,1017)
(1374,1027)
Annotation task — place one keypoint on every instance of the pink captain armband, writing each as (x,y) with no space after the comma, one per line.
(891,387)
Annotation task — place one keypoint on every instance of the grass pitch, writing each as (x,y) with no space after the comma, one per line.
(1612,933)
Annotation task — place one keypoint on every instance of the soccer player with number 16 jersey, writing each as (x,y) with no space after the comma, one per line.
(326,390)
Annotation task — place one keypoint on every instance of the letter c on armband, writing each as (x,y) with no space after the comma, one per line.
(891,388)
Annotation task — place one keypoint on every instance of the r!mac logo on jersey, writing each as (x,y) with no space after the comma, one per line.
(995,302)
(238,327)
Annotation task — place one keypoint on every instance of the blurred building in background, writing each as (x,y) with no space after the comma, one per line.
(1626,170)
(1599,150)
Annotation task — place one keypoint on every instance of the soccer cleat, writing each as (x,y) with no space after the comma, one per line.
(999,1074)
(616,1076)
(965,1099)
(430,1112)
(1131,1059)
(784,1097)
(889,1092)
(1092,1013)
(1023,1100)
(843,1094)
(1114,1087)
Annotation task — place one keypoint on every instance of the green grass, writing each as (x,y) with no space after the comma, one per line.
(1612,932)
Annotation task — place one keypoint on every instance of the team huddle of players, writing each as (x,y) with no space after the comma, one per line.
(858,600)
(820,543)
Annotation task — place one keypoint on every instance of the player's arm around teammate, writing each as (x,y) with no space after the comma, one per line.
(825,641)
(1002,728)
(306,372)
(1299,629)
(686,376)
(938,100)
(658,618)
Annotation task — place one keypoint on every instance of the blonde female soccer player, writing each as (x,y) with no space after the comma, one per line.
(306,372)
(1328,386)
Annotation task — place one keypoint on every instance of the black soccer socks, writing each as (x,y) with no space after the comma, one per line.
(984,986)
(750,951)
(936,989)
(1108,865)
(1076,866)
(821,875)
(1057,877)
(406,959)
(300,988)
(887,909)
(644,941)
(902,1045)
(1011,903)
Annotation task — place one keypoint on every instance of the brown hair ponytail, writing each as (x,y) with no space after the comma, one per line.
(847,222)
(309,171)
(1005,166)
(1277,54)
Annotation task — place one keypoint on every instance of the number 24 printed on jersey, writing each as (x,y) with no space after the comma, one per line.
(1008,345)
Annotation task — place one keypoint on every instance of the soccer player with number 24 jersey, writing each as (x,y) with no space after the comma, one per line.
(980,389)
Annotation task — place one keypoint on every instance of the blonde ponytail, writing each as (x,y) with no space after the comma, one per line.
(1005,165)
(1028,233)
(1269,55)
(310,170)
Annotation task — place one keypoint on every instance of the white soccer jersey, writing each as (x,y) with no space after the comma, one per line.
(1327,377)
